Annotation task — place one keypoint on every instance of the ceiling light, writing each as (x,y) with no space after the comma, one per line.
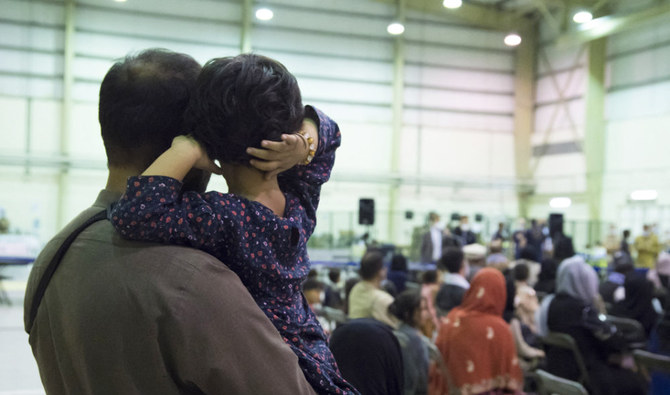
(512,40)
(644,194)
(560,202)
(120,1)
(264,14)
(582,17)
(451,4)
(395,28)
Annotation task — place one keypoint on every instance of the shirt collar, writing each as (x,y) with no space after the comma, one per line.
(456,279)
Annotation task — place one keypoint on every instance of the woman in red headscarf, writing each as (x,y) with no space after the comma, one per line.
(476,343)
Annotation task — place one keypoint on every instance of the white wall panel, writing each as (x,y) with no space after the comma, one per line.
(38,87)
(13,124)
(47,13)
(31,37)
(365,148)
(314,66)
(337,23)
(459,57)
(88,44)
(459,101)
(557,136)
(264,38)
(30,63)
(147,26)
(457,79)
(459,121)
(644,101)
(226,10)
(633,40)
(343,112)
(45,124)
(641,67)
(441,33)
(357,92)
(84,140)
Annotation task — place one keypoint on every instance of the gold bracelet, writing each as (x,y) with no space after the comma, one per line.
(309,141)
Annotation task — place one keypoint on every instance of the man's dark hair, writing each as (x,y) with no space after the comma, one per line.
(240,101)
(142,102)
(371,264)
(312,283)
(521,272)
(334,275)
(528,253)
(623,263)
(452,260)
(429,277)
(405,305)
(563,248)
(626,233)
(399,263)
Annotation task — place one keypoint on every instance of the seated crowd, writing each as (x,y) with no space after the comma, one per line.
(481,323)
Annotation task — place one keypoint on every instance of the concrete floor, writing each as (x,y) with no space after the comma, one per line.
(18,371)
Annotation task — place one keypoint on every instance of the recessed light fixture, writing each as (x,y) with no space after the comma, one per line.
(451,4)
(512,40)
(395,28)
(582,17)
(560,202)
(644,194)
(120,1)
(264,14)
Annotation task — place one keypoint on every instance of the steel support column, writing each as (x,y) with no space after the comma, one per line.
(524,110)
(397,108)
(66,110)
(245,34)
(594,131)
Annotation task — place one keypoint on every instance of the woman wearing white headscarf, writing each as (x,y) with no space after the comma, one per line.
(573,311)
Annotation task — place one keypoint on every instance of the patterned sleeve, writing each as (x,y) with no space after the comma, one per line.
(152,210)
(305,181)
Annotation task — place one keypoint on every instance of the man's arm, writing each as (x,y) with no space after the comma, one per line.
(220,342)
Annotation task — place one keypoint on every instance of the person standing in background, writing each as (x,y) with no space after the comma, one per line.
(625,245)
(431,243)
(647,248)
(464,233)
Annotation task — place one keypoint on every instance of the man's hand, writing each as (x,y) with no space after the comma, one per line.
(278,156)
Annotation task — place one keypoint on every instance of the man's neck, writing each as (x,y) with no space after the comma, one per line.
(250,183)
(117,177)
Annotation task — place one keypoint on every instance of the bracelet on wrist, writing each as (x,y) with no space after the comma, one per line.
(309,142)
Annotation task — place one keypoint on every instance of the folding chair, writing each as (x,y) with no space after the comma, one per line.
(649,362)
(632,330)
(564,341)
(554,385)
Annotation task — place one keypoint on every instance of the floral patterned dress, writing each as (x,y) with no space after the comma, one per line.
(268,252)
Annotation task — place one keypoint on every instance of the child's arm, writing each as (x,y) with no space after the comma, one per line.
(184,153)
(305,181)
(152,210)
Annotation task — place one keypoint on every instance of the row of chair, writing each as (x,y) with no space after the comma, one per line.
(550,384)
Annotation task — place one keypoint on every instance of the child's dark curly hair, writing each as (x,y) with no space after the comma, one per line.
(240,101)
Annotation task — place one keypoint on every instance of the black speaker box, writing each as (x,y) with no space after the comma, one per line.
(366,211)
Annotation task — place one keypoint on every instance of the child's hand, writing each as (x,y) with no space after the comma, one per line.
(188,146)
(278,156)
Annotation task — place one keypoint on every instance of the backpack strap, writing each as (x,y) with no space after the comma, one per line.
(55,261)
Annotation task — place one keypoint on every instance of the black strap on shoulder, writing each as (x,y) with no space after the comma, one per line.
(55,261)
